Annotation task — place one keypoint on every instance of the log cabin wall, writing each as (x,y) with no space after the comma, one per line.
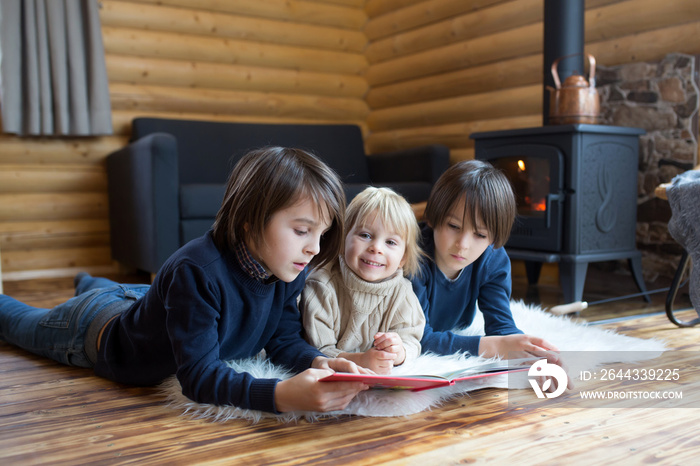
(256,61)
(442,69)
(409,71)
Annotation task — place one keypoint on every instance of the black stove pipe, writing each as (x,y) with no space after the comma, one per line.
(563,35)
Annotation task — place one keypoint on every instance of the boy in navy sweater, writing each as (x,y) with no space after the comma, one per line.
(469,215)
(227,295)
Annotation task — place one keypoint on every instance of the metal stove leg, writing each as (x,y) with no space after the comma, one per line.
(635,264)
(572,278)
(533,269)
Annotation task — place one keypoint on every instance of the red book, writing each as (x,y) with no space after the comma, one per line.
(426,382)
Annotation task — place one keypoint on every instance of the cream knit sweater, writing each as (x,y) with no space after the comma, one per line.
(342,313)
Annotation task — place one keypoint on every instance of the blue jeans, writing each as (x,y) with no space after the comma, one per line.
(68,332)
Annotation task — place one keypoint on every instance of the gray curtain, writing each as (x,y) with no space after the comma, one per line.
(53,73)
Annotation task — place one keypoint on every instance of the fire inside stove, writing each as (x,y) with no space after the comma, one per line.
(530,178)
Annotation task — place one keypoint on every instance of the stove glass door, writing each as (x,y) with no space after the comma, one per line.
(536,174)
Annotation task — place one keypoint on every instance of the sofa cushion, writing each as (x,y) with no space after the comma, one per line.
(414,191)
(215,147)
(192,229)
(200,200)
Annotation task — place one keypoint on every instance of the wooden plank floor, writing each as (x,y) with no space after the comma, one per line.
(52,414)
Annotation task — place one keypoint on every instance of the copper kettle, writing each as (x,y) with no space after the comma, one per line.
(577,100)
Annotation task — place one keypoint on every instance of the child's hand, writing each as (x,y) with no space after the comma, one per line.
(379,361)
(374,360)
(515,346)
(521,346)
(339,365)
(392,343)
(304,392)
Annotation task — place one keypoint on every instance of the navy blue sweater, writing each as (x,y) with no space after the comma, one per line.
(452,305)
(201,310)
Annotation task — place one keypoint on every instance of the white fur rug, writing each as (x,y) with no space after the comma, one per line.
(601,347)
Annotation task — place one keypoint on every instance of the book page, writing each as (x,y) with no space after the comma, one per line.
(495,366)
(427,381)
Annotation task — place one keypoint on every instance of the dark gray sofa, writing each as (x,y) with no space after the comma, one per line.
(166,186)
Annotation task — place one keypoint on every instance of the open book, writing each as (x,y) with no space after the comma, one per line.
(426,382)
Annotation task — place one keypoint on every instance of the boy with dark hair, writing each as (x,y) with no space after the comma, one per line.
(469,216)
(226,295)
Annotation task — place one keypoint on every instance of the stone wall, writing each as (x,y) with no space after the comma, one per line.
(661,98)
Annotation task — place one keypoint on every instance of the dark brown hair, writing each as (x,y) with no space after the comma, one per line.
(487,193)
(270,179)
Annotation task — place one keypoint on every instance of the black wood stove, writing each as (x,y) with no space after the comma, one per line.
(576,185)
(576,191)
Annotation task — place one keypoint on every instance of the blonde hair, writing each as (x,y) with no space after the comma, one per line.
(396,213)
